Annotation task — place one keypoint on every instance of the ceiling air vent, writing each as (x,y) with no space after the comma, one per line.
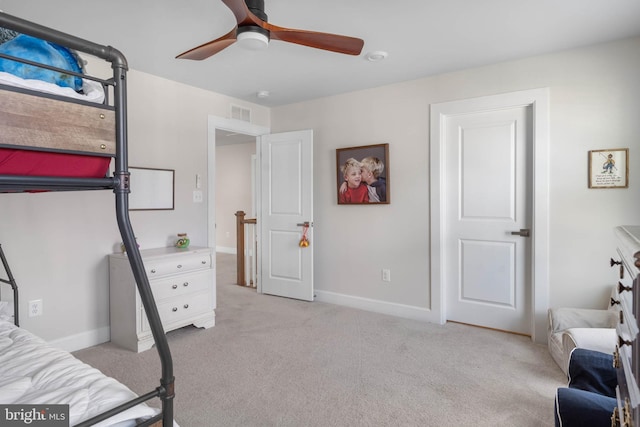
(240,113)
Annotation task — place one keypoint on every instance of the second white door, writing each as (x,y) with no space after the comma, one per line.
(487,250)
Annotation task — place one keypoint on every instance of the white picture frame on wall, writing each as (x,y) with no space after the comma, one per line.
(151,189)
(609,168)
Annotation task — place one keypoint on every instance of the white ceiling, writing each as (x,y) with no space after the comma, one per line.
(422,37)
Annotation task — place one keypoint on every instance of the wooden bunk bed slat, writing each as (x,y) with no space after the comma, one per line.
(35,122)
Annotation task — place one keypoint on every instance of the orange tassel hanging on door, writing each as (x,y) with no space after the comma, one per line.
(304,242)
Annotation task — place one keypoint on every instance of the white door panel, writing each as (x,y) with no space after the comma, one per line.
(487,274)
(286,203)
(281,241)
(487,182)
(487,154)
(285,172)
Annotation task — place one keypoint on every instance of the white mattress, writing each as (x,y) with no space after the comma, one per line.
(93,91)
(32,372)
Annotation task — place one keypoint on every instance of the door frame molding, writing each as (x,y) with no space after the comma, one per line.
(231,125)
(538,100)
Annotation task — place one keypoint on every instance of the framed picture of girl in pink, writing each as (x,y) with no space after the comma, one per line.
(362,175)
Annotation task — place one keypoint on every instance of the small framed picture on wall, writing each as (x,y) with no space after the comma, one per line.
(609,168)
(362,175)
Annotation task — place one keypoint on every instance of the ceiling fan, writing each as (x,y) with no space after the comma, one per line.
(252,26)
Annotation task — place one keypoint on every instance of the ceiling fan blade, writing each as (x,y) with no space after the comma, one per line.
(326,41)
(210,48)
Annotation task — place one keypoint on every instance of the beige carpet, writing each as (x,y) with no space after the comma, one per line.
(272,361)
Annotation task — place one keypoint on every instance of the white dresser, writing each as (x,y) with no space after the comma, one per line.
(627,355)
(183,286)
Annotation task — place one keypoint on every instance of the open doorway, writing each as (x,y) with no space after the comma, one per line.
(284,207)
(235,175)
(233,138)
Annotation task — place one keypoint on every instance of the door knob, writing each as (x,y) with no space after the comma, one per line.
(524,232)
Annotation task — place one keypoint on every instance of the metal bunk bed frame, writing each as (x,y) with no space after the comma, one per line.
(11,281)
(120,185)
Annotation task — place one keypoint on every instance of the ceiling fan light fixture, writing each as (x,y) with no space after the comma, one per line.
(253,38)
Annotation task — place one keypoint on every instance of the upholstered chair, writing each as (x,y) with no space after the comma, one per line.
(591,329)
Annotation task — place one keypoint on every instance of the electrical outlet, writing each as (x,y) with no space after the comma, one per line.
(35,308)
(386,275)
(197,196)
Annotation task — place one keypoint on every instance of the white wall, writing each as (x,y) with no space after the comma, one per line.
(594,104)
(57,243)
(233,190)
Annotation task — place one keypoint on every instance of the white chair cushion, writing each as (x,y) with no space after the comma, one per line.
(565,318)
(598,339)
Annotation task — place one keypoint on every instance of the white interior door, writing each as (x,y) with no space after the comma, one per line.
(487,267)
(286,202)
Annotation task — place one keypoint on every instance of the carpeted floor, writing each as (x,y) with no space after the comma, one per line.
(273,361)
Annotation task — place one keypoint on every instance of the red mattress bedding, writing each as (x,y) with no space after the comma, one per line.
(39,163)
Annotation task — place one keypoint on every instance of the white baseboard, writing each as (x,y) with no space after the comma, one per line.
(225,250)
(83,340)
(102,335)
(377,306)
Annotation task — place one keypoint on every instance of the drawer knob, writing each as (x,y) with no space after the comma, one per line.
(179,265)
(174,287)
(623,288)
(186,306)
(185,284)
(622,342)
(174,309)
(613,262)
(153,270)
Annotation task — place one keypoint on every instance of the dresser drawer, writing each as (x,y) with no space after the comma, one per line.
(180,309)
(174,286)
(177,264)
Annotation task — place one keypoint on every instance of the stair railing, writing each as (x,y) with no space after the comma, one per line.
(246,250)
